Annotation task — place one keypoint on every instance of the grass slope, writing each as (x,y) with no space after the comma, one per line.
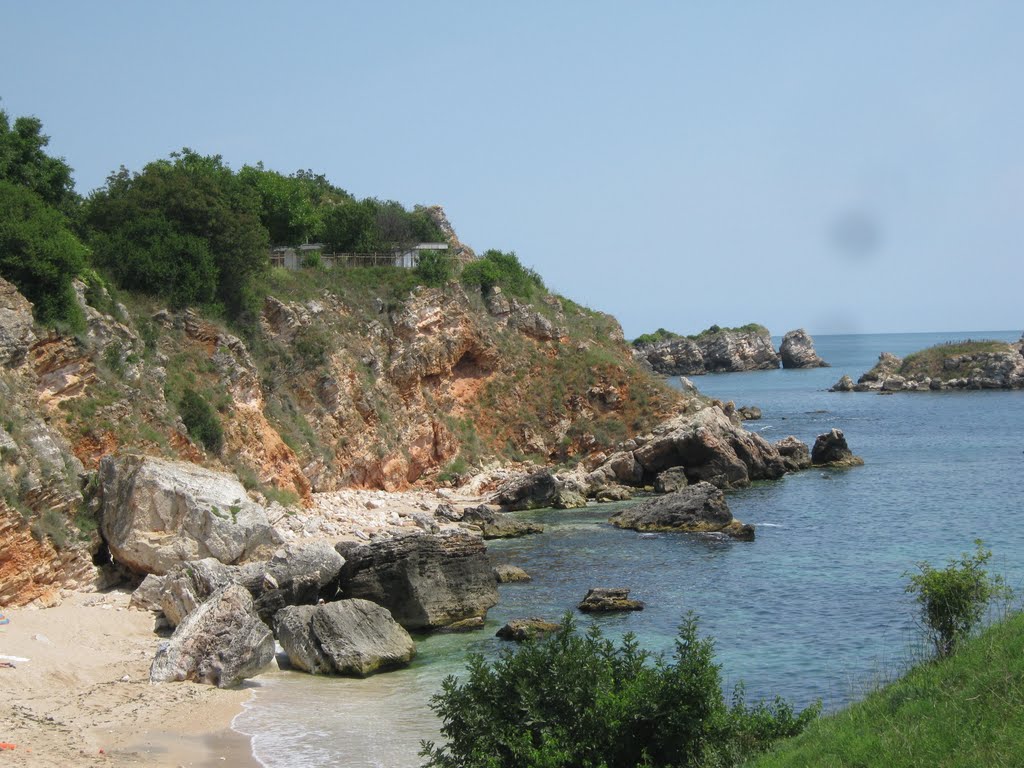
(966,711)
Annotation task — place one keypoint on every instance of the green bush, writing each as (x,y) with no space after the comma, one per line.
(502,269)
(653,338)
(578,701)
(953,600)
(434,268)
(201,420)
(40,255)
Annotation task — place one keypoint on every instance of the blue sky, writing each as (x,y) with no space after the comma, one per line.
(854,167)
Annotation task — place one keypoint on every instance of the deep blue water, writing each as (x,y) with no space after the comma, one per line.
(813,609)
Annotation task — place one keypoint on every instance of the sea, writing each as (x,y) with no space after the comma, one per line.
(815,609)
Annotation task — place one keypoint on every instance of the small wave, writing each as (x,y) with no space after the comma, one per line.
(770,525)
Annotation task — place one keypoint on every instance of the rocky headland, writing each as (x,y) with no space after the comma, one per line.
(349,457)
(721,350)
(950,366)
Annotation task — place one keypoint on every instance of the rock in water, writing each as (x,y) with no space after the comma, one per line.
(845,384)
(510,574)
(526,629)
(606,600)
(699,508)
(157,513)
(794,453)
(831,450)
(427,582)
(220,643)
(347,637)
(671,480)
(495,525)
(797,351)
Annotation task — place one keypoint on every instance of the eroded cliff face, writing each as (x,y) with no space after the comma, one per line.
(321,393)
(713,351)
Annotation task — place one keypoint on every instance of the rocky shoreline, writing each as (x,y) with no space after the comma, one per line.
(967,365)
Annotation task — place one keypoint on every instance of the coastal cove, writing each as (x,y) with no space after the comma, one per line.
(813,609)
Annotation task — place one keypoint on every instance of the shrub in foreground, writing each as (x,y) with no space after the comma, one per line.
(576,700)
(953,600)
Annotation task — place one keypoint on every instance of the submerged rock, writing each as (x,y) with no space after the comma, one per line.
(220,643)
(346,637)
(520,630)
(609,599)
(510,574)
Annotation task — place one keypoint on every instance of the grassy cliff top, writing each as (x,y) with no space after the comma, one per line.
(967,710)
(938,362)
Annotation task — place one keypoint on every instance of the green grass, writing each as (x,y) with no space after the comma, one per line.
(931,362)
(962,712)
(714,329)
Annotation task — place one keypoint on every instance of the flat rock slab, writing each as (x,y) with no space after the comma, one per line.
(699,508)
(521,630)
(609,599)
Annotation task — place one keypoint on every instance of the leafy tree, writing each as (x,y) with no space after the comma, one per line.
(578,701)
(346,227)
(434,268)
(192,208)
(953,600)
(292,208)
(24,162)
(40,255)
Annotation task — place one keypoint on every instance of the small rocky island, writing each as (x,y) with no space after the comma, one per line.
(725,350)
(953,365)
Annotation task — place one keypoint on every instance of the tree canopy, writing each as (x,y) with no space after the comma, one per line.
(187,228)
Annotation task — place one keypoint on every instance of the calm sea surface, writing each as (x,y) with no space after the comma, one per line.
(813,609)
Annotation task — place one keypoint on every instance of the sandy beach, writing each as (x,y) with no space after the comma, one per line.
(79,693)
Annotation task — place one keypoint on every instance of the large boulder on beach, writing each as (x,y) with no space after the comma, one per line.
(797,351)
(157,513)
(498,525)
(527,491)
(831,450)
(426,581)
(699,508)
(346,637)
(297,574)
(220,643)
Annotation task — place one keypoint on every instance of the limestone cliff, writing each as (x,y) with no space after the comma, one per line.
(715,350)
(337,383)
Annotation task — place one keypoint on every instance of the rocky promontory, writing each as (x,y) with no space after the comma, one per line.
(954,365)
(797,351)
(722,350)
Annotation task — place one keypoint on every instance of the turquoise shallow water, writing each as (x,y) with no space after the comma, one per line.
(813,609)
